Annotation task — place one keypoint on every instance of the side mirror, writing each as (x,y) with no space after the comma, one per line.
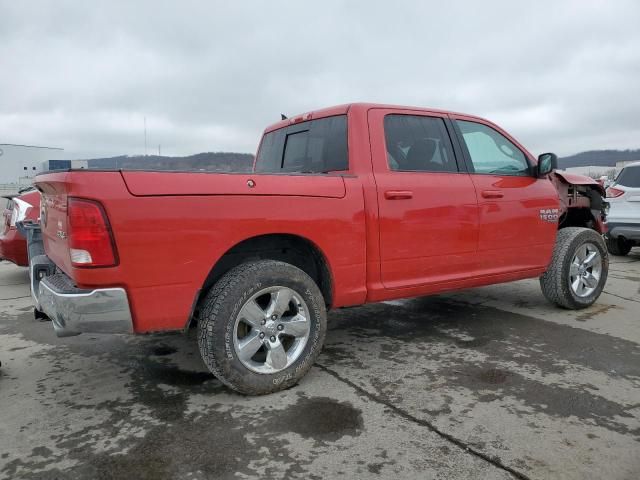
(547,162)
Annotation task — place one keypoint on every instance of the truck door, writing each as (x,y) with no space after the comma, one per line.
(518,211)
(428,212)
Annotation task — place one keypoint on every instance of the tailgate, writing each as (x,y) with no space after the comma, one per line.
(53,216)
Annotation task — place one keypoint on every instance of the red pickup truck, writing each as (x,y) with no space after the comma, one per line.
(347,205)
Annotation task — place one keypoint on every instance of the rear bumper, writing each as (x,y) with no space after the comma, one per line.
(630,231)
(74,311)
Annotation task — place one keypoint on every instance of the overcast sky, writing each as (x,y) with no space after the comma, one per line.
(561,76)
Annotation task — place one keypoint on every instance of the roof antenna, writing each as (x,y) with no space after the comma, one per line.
(283,116)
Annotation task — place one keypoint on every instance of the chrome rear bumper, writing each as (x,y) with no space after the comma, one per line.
(74,311)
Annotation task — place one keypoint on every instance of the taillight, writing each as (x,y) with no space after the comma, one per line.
(614,192)
(90,239)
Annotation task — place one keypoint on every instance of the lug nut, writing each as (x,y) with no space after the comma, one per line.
(273,339)
(280,327)
(274,317)
(263,321)
(261,335)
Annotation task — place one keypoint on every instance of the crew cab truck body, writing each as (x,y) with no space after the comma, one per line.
(348,205)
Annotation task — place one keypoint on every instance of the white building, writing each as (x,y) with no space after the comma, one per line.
(593,171)
(20,163)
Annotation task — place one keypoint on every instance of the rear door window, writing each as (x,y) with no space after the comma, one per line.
(417,143)
(629,177)
(316,146)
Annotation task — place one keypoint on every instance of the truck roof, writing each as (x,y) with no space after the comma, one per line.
(344,108)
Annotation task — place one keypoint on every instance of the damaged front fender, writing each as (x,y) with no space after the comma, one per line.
(582,201)
(575,179)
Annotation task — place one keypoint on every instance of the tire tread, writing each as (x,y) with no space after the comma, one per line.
(209,314)
(553,282)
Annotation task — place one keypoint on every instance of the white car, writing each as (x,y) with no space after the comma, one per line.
(623,219)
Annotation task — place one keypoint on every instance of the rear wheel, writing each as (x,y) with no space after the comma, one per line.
(262,326)
(578,270)
(618,246)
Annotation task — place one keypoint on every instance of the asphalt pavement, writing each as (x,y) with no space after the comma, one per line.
(490,383)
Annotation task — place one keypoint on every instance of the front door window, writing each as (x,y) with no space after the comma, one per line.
(491,152)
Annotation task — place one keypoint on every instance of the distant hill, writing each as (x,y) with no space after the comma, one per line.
(604,158)
(243,162)
(201,162)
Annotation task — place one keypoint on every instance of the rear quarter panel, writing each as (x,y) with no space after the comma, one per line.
(167,244)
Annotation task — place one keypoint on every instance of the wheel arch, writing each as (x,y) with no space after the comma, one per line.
(581,204)
(581,217)
(290,248)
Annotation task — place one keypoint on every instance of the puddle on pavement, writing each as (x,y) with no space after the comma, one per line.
(163,350)
(494,376)
(319,418)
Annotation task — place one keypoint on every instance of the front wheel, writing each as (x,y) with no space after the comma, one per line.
(578,270)
(262,326)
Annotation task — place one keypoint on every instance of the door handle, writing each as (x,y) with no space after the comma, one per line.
(492,194)
(398,194)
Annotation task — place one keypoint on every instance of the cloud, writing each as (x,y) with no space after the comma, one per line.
(560,76)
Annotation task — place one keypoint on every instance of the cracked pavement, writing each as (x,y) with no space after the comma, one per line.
(486,383)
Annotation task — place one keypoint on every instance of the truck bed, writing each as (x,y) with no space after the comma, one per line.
(171,228)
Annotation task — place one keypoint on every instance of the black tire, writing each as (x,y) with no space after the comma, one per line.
(555,282)
(618,246)
(221,306)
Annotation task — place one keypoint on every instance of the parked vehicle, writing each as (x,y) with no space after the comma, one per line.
(25,206)
(348,205)
(624,218)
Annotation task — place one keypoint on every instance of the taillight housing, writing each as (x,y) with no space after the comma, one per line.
(613,192)
(89,234)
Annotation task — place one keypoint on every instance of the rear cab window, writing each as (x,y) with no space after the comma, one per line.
(629,177)
(314,146)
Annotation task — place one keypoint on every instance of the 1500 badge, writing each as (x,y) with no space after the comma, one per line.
(549,214)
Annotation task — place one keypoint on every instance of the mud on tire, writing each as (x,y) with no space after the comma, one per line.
(218,326)
(556,281)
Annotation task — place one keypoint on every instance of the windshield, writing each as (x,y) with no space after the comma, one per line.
(629,177)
